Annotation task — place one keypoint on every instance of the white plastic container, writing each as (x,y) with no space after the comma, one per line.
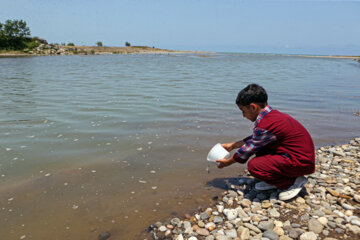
(217,152)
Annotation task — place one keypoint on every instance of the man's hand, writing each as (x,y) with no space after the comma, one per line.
(225,162)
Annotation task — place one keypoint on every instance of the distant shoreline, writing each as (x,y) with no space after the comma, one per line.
(50,50)
(357,58)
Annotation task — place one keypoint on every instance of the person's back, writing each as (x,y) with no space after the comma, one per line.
(291,139)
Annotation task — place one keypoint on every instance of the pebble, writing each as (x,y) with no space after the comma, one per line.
(315,226)
(308,236)
(270,235)
(104,236)
(202,232)
(231,233)
(268,225)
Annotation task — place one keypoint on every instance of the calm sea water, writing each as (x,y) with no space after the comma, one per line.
(114,143)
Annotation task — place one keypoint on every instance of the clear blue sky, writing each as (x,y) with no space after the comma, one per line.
(288,26)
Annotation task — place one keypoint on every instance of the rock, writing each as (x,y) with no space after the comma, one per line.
(279,231)
(354,229)
(300,200)
(333,192)
(256,218)
(231,233)
(315,226)
(357,198)
(187,224)
(243,233)
(339,153)
(308,236)
(347,206)
(270,235)
(175,222)
(241,213)
(162,229)
(318,213)
(210,237)
(217,220)
(304,218)
(204,215)
(339,230)
(201,224)
(355,221)
(274,213)
(202,232)
(232,194)
(252,227)
(230,214)
(278,223)
(293,234)
(220,208)
(179,237)
(323,220)
(284,237)
(210,224)
(268,225)
(245,203)
(192,238)
(104,235)
(266,205)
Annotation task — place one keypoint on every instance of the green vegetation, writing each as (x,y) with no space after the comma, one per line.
(127,44)
(71,44)
(15,35)
(99,44)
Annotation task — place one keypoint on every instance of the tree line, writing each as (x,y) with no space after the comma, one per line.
(15,35)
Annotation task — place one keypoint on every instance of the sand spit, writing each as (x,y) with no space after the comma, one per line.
(356,58)
(328,208)
(50,49)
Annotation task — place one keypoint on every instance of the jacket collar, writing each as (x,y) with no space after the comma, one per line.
(262,114)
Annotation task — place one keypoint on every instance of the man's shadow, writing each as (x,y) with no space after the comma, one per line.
(247,186)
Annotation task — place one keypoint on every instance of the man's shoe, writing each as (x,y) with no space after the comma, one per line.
(294,189)
(262,186)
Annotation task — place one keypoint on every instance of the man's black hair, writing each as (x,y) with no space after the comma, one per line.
(253,93)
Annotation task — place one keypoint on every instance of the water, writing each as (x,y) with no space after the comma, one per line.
(114,143)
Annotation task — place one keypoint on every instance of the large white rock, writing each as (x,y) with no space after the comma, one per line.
(230,214)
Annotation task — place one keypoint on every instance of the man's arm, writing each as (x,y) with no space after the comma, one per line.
(233,145)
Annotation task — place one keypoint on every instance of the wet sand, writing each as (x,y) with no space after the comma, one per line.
(83,201)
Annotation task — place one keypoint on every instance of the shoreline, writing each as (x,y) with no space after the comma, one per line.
(51,50)
(54,50)
(356,58)
(329,208)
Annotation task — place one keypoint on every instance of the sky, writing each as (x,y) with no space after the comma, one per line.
(287,26)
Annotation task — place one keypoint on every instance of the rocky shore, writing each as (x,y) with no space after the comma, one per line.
(55,49)
(328,208)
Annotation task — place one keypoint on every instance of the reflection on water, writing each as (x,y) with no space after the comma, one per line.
(114,143)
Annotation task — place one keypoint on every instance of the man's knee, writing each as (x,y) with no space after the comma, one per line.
(252,166)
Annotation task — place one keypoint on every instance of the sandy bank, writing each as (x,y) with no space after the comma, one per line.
(46,50)
(356,58)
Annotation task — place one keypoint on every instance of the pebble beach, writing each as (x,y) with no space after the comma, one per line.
(327,208)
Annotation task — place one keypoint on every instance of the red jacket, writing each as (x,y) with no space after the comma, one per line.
(292,139)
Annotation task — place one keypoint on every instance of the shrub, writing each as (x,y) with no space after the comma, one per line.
(127,44)
(71,44)
(99,44)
